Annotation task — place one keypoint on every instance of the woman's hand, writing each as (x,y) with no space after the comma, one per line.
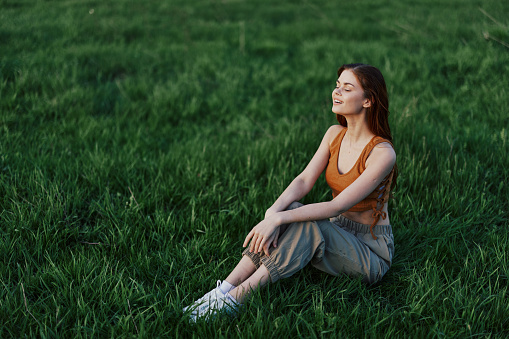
(263,235)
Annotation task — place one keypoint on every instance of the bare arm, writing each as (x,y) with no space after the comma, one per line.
(378,166)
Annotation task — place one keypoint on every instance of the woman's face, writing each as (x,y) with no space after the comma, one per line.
(348,96)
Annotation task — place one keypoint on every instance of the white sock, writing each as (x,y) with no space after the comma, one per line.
(226,287)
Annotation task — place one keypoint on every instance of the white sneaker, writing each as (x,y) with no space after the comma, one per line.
(222,304)
(215,306)
(200,305)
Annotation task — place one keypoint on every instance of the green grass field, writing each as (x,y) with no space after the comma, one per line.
(141,140)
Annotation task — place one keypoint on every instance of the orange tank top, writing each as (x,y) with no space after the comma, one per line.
(338,182)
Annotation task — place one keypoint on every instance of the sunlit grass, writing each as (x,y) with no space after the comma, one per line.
(139,143)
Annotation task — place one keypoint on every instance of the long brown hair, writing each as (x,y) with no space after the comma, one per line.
(373,83)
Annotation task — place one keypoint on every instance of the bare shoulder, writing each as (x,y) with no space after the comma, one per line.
(335,129)
(383,152)
(332,133)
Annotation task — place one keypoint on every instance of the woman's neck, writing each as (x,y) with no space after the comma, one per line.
(358,130)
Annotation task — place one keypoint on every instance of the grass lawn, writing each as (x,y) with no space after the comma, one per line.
(140,141)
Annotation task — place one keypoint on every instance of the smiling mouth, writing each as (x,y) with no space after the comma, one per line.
(336,101)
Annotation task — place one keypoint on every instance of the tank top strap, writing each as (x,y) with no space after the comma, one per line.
(369,147)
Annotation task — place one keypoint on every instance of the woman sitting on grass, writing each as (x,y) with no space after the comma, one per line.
(350,234)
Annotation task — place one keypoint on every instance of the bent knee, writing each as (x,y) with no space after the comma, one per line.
(294,205)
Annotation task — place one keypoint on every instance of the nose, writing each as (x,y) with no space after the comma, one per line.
(336,90)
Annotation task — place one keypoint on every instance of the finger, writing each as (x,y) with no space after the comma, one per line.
(266,249)
(263,243)
(246,241)
(249,236)
(266,246)
(252,246)
(276,238)
(258,244)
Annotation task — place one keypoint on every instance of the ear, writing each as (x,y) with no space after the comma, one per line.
(367,103)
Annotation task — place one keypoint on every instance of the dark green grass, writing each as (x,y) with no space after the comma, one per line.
(140,142)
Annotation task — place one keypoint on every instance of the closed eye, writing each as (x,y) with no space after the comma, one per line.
(345,89)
